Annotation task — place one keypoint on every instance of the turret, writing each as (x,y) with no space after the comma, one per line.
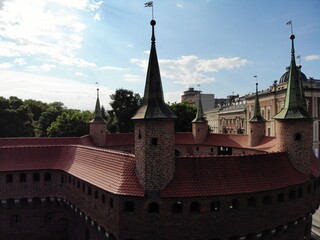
(257,123)
(98,125)
(200,126)
(293,122)
(154,131)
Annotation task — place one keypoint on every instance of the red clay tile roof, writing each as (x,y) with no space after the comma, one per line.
(227,140)
(85,140)
(209,176)
(120,139)
(110,170)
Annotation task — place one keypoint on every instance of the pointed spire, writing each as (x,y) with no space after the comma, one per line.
(257,117)
(97,112)
(200,115)
(295,103)
(153,105)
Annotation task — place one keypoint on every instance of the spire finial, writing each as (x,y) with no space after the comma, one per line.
(153,38)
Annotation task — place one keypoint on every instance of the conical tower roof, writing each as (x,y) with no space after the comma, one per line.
(200,115)
(153,106)
(295,103)
(257,117)
(97,111)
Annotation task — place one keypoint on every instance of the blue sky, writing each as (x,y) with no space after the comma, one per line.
(56,50)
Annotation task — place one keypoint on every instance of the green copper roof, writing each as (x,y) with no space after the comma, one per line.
(200,115)
(97,112)
(153,105)
(295,103)
(257,117)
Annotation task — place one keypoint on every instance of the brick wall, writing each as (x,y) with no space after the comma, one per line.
(154,152)
(200,131)
(255,133)
(98,133)
(294,136)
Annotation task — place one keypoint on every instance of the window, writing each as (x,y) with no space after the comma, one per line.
(36,177)
(154,141)
(195,207)
(111,202)
(83,187)
(62,178)
(96,194)
(267,200)
(87,234)
(47,177)
(23,177)
(69,179)
(235,204)
(48,217)
(103,198)
(89,191)
(300,192)
(9,178)
(177,207)
(78,184)
(292,195)
(153,207)
(280,198)
(251,202)
(215,206)
(129,206)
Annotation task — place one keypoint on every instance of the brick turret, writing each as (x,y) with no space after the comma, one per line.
(293,122)
(98,125)
(200,126)
(257,124)
(154,131)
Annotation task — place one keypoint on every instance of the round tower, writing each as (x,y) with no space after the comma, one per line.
(257,124)
(293,122)
(98,125)
(200,128)
(154,131)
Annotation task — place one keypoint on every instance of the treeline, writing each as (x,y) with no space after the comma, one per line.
(32,118)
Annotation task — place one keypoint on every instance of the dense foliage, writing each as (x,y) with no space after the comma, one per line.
(185,113)
(124,104)
(31,118)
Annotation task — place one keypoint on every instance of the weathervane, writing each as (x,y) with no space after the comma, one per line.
(256,77)
(290,23)
(149,4)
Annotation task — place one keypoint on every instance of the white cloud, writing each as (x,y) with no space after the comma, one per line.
(97,17)
(5,65)
(111,68)
(179,5)
(312,57)
(43,67)
(188,70)
(50,89)
(132,78)
(129,45)
(49,29)
(80,74)
(20,61)
(173,97)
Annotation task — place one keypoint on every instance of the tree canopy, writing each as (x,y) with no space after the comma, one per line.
(124,104)
(185,113)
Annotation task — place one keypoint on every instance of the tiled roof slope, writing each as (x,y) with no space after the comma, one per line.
(85,140)
(227,140)
(110,170)
(209,176)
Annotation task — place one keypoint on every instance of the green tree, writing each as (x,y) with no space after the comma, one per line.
(124,105)
(37,107)
(185,113)
(71,123)
(15,118)
(48,117)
